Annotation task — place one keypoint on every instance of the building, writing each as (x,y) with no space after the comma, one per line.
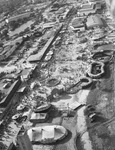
(37,1)
(23,140)
(11,91)
(86,6)
(25,74)
(94,21)
(41,55)
(9,101)
(38,117)
(8,51)
(20,16)
(89,8)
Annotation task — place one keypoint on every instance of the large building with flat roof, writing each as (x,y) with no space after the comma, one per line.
(94,21)
(20,16)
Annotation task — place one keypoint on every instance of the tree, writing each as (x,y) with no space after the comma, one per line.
(10,5)
(5,32)
(1,44)
(28,45)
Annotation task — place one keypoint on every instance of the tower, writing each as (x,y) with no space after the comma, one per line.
(23,140)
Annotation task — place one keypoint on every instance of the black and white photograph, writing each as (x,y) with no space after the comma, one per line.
(57,74)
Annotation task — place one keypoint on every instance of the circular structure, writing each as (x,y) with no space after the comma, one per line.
(96,70)
(83,40)
(46,134)
(16,117)
(86,82)
(77,22)
(51,82)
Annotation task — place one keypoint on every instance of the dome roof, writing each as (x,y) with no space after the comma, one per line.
(47,134)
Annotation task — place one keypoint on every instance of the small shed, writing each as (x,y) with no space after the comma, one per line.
(25,74)
(38,117)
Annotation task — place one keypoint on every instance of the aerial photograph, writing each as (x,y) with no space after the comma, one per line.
(57,74)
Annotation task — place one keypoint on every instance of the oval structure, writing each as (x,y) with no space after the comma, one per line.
(43,107)
(103,56)
(86,82)
(46,134)
(96,70)
(51,82)
(20,107)
(16,116)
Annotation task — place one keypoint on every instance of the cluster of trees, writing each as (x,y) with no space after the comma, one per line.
(4,34)
(10,5)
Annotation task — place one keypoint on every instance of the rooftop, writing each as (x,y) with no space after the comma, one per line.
(20,16)
(93,21)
